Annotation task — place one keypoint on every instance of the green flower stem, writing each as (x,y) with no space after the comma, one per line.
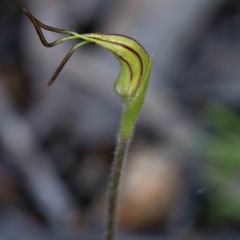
(117,168)
(128,121)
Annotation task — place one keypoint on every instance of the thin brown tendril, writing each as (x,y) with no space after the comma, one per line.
(38,25)
(64,61)
(59,69)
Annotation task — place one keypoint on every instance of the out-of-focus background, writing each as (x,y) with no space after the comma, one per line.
(182,179)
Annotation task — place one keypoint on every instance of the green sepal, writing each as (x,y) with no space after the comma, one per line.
(133,107)
(131,55)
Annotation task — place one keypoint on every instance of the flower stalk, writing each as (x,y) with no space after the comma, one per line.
(131,86)
(114,183)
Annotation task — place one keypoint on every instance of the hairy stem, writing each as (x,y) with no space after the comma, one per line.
(117,168)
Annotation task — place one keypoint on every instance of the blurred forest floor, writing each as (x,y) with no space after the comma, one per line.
(56,144)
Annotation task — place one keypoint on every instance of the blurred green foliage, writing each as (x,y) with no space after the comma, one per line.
(223,168)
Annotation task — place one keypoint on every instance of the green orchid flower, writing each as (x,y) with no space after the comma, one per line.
(131,86)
